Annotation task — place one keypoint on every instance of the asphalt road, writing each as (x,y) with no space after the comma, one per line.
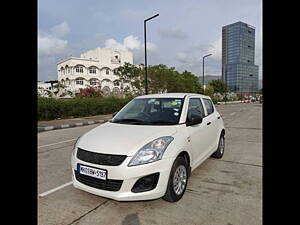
(225,191)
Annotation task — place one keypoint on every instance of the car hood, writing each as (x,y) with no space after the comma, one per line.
(122,139)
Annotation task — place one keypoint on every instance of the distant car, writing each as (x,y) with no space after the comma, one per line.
(149,148)
(261,99)
(253,100)
(246,100)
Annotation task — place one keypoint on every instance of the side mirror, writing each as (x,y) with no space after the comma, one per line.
(113,115)
(194,119)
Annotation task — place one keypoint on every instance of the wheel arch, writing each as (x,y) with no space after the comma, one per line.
(184,154)
(223,132)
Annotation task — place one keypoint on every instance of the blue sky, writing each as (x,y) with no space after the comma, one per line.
(183,32)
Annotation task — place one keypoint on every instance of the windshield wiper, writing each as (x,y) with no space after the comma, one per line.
(128,120)
(162,122)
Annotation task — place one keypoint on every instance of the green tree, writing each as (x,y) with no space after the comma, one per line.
(190,83)
(132,75)
(209,90)
(219,86)
(161,79)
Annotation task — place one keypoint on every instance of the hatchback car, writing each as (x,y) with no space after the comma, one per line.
(150,147)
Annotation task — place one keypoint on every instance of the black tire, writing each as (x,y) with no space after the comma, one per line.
(171,195)
(220,152)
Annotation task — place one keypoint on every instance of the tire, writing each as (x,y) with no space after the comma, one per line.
(179,165)
(221,147)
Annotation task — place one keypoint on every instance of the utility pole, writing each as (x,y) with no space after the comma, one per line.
(146,78)
(203,71)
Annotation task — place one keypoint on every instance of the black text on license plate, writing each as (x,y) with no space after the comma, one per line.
(92,172)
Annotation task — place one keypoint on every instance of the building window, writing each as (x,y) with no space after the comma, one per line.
(92,70)
(93,82)
(79,69)
(107,71)
(79,81)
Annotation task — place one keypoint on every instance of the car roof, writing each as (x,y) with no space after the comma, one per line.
(173,95)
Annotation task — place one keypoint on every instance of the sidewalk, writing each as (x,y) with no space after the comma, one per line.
(67,123)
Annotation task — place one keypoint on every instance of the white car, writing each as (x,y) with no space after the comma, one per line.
(150,147)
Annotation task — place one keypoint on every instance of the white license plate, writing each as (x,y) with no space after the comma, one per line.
(92,172)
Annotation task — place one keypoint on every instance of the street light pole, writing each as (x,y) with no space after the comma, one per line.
(203,70)
(146,78)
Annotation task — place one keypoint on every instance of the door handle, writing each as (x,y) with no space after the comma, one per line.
(208,123)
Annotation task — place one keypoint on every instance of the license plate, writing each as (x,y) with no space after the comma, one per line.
(92,172)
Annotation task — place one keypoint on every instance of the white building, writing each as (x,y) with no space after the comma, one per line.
(45,89)
(94,68)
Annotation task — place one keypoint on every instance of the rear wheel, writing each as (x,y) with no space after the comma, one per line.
(177,181)
(221,147)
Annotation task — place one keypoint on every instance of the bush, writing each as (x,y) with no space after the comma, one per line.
(49,108)
(89,92)
(214,100)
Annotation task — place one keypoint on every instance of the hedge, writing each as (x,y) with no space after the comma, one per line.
(50,108)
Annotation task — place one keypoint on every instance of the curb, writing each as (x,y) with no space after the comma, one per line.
(233,102)
(64,126)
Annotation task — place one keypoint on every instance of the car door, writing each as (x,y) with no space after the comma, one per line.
(198,138)
(212,123)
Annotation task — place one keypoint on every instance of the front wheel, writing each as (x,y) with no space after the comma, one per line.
(177,181)
(221,147)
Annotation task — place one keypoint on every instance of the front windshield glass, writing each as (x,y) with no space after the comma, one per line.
(151,111)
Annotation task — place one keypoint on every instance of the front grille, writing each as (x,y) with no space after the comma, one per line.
(108,185)
(99,158)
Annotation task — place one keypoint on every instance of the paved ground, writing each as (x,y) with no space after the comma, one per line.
(220,192)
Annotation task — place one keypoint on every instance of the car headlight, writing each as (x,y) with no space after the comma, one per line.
(151,152)
(75,146)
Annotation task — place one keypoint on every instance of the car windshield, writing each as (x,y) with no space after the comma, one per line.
(151,111)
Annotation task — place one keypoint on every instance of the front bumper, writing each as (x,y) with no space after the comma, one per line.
(129,175)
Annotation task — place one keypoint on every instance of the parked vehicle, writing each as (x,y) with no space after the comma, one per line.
(246,100)
(149,148)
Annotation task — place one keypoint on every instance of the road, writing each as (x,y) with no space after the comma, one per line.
(225,191)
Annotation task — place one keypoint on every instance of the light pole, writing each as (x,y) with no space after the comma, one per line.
(146,79)
(203,70)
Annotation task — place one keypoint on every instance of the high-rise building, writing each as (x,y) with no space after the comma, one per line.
(238,52)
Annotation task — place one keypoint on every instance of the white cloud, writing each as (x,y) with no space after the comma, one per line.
(60,30)
(51,48)
(49,45)
(216,49)
(150,46)
(130,43)
(182,57)
(111,43)
(175,33)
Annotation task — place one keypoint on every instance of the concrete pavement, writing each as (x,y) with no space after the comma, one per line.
(221,191)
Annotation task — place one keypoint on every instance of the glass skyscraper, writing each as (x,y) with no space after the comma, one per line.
(238,52)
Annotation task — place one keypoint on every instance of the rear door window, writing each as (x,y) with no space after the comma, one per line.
(208,105)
